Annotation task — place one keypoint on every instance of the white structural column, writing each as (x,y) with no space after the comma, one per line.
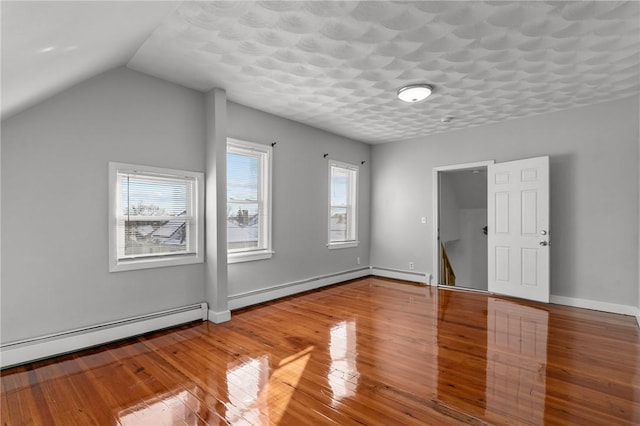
(216,285)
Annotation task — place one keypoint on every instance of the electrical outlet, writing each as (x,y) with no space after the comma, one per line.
(423,219)
(411,265)
(358,260)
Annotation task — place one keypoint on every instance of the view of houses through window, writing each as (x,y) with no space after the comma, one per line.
(243,205)
(155,214)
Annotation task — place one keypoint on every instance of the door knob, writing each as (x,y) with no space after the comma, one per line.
(543,232)
(544,243)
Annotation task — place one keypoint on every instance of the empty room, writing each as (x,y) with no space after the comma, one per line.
(320,213)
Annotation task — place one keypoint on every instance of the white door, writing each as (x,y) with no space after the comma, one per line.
(518,234)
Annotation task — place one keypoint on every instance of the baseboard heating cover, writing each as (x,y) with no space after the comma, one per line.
(28,350)
(413,276)
(237,301)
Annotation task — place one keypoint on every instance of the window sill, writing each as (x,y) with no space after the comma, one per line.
(249,256)
(154,262)
(346,244)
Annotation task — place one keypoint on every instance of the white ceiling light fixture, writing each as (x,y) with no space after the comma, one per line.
(414,92)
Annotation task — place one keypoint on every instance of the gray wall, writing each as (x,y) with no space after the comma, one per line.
(54,201)
(300,193)
(449,209)
(594,194)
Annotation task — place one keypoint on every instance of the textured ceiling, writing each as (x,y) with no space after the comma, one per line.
(337,65)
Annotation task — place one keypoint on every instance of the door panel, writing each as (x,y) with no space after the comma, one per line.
(529,266)
(529,209)
(502,264)
(518,212)
(501,223)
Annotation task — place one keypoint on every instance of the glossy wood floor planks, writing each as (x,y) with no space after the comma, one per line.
(370,351)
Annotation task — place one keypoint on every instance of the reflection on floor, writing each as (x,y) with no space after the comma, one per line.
(371,351)
(516,360)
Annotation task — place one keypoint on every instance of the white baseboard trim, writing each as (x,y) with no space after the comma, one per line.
(219,317)
(242,300)
(418,277)
(594,305)
(33,349)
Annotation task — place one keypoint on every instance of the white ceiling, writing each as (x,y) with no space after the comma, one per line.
(50,46)
(337,65)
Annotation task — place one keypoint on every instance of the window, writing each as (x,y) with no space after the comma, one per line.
(343,192)
(248,201)
(156,217)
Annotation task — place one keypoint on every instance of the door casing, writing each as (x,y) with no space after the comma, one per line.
(436,219)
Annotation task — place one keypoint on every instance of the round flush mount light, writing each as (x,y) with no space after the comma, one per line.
(415,92)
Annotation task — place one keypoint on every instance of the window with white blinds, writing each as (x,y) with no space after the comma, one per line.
(248,201)
(155,218)
(343,195)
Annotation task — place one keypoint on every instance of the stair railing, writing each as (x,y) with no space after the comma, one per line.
(448,276)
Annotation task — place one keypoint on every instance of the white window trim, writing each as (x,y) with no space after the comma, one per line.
(341,245)
(350,243)
(267,186)
(248,256)
(117,265)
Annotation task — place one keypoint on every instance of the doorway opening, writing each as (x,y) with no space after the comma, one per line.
(517,237)
(460,212)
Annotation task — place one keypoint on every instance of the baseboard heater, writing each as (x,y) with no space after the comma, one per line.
(399,274)
(33,349)
(242,300)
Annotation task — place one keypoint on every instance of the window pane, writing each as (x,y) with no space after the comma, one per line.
(339,186)
(242,177)
(338,224)
(243,226)
(151,196)
(149,205)
(155,237)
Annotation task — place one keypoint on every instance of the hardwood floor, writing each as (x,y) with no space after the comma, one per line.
(370,351)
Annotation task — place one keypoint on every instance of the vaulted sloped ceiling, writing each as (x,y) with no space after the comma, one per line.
(50,46)
(337,65)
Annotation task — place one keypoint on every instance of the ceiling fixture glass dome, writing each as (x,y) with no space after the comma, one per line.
(415,92)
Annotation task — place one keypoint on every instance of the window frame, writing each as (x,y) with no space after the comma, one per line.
(265,195)
(352,219)
(118,262)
